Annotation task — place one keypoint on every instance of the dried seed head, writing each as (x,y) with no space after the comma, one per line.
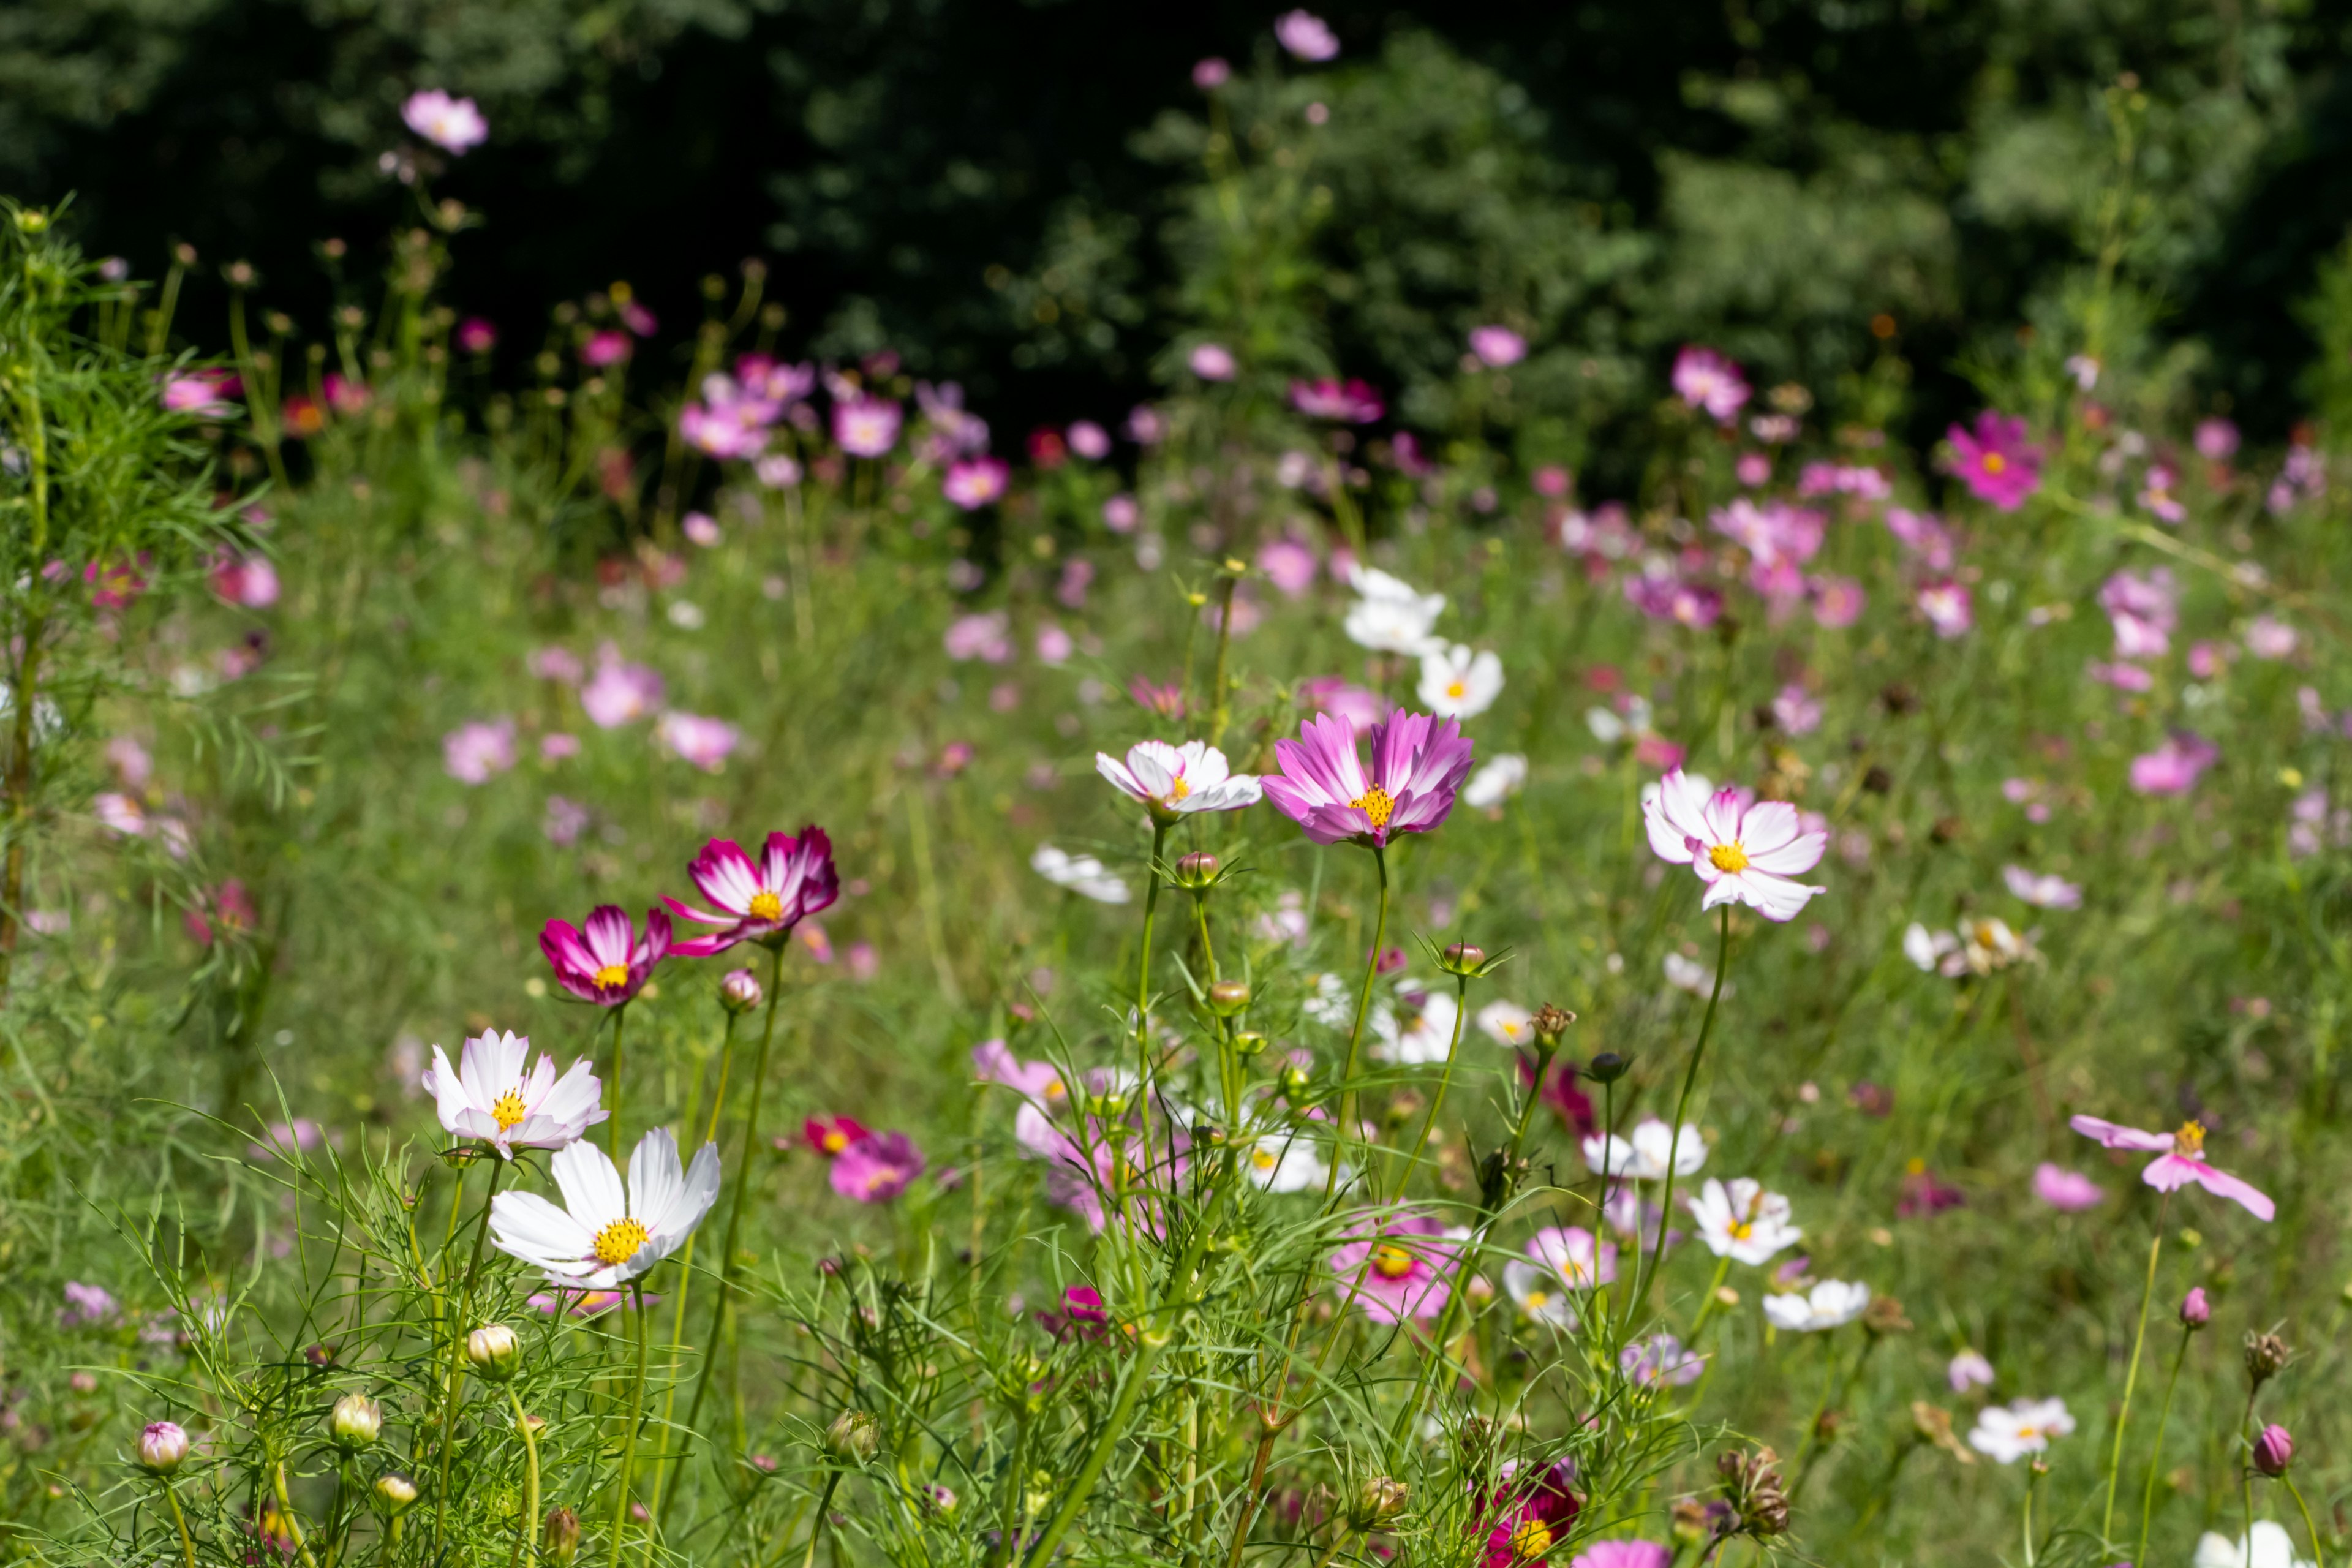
(2266,1354)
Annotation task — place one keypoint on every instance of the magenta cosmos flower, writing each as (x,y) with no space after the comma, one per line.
(1396,1269)
(606,962)
(1533,1520)
(1418,763)
(452,124)
(1745,852)
(1178,780)
(877,1168)
(1622,1554)
(1996,461)
(1352,402)
(759,900)
(2179,1160)
(975,481)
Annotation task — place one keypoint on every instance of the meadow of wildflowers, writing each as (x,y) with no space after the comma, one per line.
(1234,980)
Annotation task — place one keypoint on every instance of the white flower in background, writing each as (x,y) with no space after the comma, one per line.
(1609,727)
(2270,1546)
(1390,616)
(1287,922)
(1458,683)
(490,1097)
(1507,1023)
(1491,785)
(1741,1221)
(1581,1261)
(2007,1433)
(1333,1005)
(1929,949)
(606,1235)
(1537,1292)
(1421,1029)
(1827,1305)
(1689,974)
(1081,874)
(1643,1158)
(2043,890)
(1285,1164)
(1178,780)
(1987,945)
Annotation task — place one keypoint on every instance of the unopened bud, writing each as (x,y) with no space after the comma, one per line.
(940,1500)
(2266,1355)
(2273,1451)
(163,1446)
(1462,958)
(493,1352)
(1197,870)
(1608,1067)
(2196,1312)
(1227,997)
(356,1423)
(853,1435)
(394,1492)
(562,1536)
(1378,1501)
(740,991)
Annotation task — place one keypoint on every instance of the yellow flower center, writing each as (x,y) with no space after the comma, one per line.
(1994,463)
(1532,1540)
(2189,1141)
(1731,857)
(767,906)
(836,1141)
(610,976)
(1177,790)
(1456,689)
(1376,804)
(1741,1230)
(620,1241)
(1263,1159)
(2028,1434)
(1392,1262)
(508,1109)
(1538,1300)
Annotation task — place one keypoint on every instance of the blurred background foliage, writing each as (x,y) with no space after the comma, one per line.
(998,188)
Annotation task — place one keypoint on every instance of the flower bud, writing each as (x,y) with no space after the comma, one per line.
(2266,1355)
(1227,997)
(1462,958)
(940,1502)
(1608,1067)
(163,1446)
(740,991)
(493,1352)
(2273,1451)
(1197,871)
(355,1422)
(1378,1501)
(562,1536)
(853,1435)
(2196,1312)
(394,1492)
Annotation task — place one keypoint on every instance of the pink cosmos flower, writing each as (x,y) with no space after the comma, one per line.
(1752,469)
(230,905)
(2065,1190)
(605,348)
(2143,611)
(620,692)
(2270,638)
(1359,706)
(1924,535)
(762,901)
(867,427)
(564,821)
(1796,711)
(1418,763)
(725,423)
(2174,767)
(116,585)
(1498,346)
(1533,1518)
(831,1135)
(1996,461)
(1351,402)
(705,743)
(1950,608)
(1289,565)
(559,663)
(2179,1160)
(974,482)
(452,124)
(471,753)
(203,393)
(1081,1315)
(1970,1369)
(1212,73)
(1165,699)
(877,1168)
(1622,1554)
(606,962)
(1837,602)
(1041,1081)
(1397,1270)
(1305,36)
(1212,361)
(2043,891)
(1054,645)
(1706,380)
(986,636)
(2121,677)
(1744,853)
(1178,780)
(1660,1359)
(1778,539)
(250,582)
(2156,494)
(1666,598)
(477,335)
(2217,440)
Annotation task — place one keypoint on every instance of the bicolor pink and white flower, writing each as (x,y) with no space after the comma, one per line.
(2007,1433)
(2042,890)
(1172,781)
(2179,1160)
(1417,765)
(1745,851)
(606,961)
(452,124)
(1741,1221)
(607,1234)
(1396,1268)
(758,901)
(489,1095)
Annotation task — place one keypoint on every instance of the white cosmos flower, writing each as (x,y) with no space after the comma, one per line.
(1178,780)
(2270,1546)
(1741,1221)
(1415,1033)
(1689,974)
(1390,616)
(1928,949)
(1457,683)
(1507,1023)
(1643,1159)
(1539,1294)
(605,1234)
(1745,851)
(1082,874)
(2007,1433)
(1285,1164)
(1495,782)
(1827,1305)
(1609,727)
(490,1097)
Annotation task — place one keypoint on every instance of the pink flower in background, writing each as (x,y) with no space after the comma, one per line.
(606,962)
(1351,402)
(130,761)
(565,821)
(477,335)
(1418,763)
(2179,1160)
(986,636)
(1361,707)
(1396,1270)
(2156,494)
(203,393)
(1054,646)
(1995,461)
(2174,767)
(763,900)
(1167,700)
(1498,346)
(1666,598)
(1170,781)
(1970,1369)
(701,529)
(605,348)
(1210,74)
(2121,677)
(637,318)
(621,693)
(732,421)
(1120,514)
(120,814)
(1622,1554)
(2143,609)
(1532,1518)
(1752,469)
(2066,1191)
(867,427)
(876,1168)
(705,743)
(250,582)
(1795,710)
(1305,36)
(1660,1360)
(558,664)
(1706,380)
(1745,851)
(1289,565)
(1924,535)
(1837,602)
(2041,889)
(452,124)
(1843,480)
(1088,440)
(974,482)
(830,1136)
(229,905)
(471,753)
(488,1095)
(1212,361)
(116,585)
(1949,608)
(1778,539)
(2217,440)
(2268,638)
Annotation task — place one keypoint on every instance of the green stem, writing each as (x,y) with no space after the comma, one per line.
(1339,1538)
(286,1514)
(2033,1481)
(2131,1376)
(1346,1124)
(457,1374)
(1143,1063)
(629,1433)
(526,1534)
(2156,1455)
(613,1124)
(1444,1082)
(2318,1553)
(816,1525)
(187,1542)
(1675,1134)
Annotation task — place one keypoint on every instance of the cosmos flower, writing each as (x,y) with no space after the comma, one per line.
(2065,1190)
(1969,1370)
(2174,767)
(2007,1433)
(867,427)
(985,635)
(2043,891)
(1706,380)
(1417,765)
(1745,852)
(1350,402)
(1622,1554)
(1502,777)
(1081,874)
(1827,1305)
(704,743)
(490,1096)
(1456,683)
(606,1235)
(1212,361)
(1390,616)
(2267,1545)
(877,1168)
(606,962)
(1507,1023)
(1305,36)
(2144,610)
(1497,347)
(1536,1291)
(1660,1361)
(619,691)
(1643,1158)
(1533,1519)
(973,482)
(1178,780)
(202,394)
(452,124)
(1574,1256)
(472,752)
(1418,1031)
(758,901)
(2179,1160)
(1741,1221)
(1995,461)
(1396,1269)
(1950,608)
(1286,1162)
(248,582)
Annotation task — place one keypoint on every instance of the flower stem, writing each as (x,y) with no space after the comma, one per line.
(1446,1081)
(2131,1377)
(286,1514)
(2033,1481)
(629,1433)
(2318,1552)
(1356,1034)
(1674,1134)
(2156,1455)
(527,1535)
(187,1542)
(1143,997)
(816,1525)
(457,1376)
(613,1125)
